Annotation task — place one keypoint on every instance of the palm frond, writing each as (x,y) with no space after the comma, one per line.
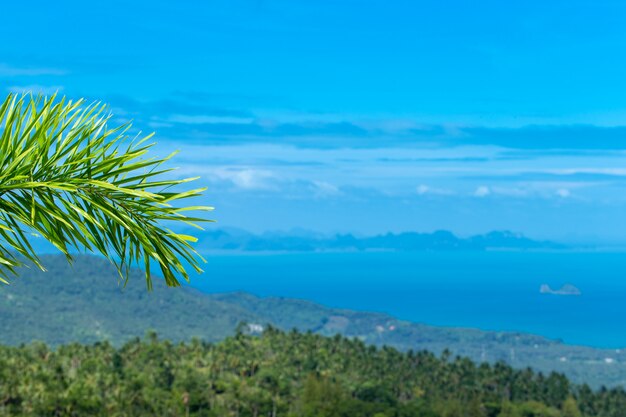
(69,177)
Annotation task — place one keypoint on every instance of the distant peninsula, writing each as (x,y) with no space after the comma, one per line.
(441,240)
(566,289)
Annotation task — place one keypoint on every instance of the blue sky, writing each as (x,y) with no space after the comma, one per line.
(360,116)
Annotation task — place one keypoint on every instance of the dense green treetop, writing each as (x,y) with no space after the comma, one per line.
(280,374)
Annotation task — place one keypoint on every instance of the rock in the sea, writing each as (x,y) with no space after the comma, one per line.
(567,289)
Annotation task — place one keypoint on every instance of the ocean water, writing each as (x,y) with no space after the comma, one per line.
(486,290)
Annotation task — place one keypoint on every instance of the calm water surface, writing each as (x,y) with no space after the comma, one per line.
(487,290)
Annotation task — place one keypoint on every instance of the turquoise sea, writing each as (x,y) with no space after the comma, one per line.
(487,290)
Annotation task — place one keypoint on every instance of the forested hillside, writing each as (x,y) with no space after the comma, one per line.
(84,303)
(280,374)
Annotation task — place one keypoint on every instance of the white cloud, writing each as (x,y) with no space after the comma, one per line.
(11,71)
(203,119)
(572,171)
(482,191)
(35,89)
(563,192)
(429,174)
(325,189)
(529,190)
(423,189)
(511,191)
(156,125)
(247,178)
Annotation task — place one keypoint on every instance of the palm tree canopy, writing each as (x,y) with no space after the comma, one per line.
(67,176)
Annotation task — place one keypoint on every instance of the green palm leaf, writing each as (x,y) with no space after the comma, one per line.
(69,177)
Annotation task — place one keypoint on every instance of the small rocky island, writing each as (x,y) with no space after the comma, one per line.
(566,289)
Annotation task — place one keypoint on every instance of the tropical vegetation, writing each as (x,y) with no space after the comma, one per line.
(82,302)
(67,176)
(280,374)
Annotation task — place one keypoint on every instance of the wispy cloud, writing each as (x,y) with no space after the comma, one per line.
(563,192)
(546,191)
(246,178)
(424,189)
(355,134)
(7,70)
(35,89)
(195,120)
(547,137)
(400,172)
(482,191)
(208,119)
(174,106)
(323,189)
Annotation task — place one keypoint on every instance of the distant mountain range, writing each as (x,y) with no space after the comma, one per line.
(442,240)
(231,239)
(84,303)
